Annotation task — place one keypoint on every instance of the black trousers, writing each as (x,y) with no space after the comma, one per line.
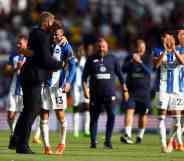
(32,107)
(96,107)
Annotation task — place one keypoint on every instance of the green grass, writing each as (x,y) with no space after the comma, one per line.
(78,150)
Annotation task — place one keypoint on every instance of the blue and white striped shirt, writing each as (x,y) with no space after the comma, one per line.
(171,73)
(63,53)
(15,87)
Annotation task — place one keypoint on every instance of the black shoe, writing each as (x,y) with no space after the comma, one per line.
(24,149)
(126,139)
(107,145)
(12,143)
(138,140)
(93,145)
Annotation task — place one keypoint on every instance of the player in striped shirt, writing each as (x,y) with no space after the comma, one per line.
(173,144)
(170,89)
(55,89)
(15,99)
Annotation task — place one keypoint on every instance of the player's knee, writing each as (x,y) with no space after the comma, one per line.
(10,118)
(44,122)
(64,124)
(177,121)
(162,117)
(161,123)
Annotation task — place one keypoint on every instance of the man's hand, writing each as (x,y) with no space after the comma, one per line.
(86,93)
(7,70)
(66,88)
(125,93)
(168,43)
(173,44)
(19,65)
(64,40)
(125,96)
(137,58)
(25,52)
(85,90)
(165,46)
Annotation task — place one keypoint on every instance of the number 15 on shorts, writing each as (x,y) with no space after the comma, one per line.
(59,100)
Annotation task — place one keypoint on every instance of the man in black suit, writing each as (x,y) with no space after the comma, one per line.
(33,74)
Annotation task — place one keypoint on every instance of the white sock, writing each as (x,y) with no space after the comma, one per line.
(63,131)
(178,130)
(162,130)
(11,124)
(37,130)
(128,131)
(76,122)
(141,133)
(86,121)
(45,132)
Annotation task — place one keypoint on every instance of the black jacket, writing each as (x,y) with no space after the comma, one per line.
(102,72)
(36,69)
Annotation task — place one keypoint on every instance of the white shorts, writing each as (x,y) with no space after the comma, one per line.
(78,96)
(170,101)
(53,98)
(15,103)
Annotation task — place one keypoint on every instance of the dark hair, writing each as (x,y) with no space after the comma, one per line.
(57,25)
(22,36)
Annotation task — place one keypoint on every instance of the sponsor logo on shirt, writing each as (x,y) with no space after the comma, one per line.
(95,60)
(103,76)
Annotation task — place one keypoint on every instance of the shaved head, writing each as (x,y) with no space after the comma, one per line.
(102,46)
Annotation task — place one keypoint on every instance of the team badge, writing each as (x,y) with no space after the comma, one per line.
(103,68)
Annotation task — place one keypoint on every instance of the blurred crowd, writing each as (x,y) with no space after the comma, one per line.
(119,21)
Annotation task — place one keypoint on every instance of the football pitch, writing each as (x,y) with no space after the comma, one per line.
(78,150)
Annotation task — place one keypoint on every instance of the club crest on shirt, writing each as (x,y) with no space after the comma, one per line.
(103,69)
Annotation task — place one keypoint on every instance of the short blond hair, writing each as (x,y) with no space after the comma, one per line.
(46,15)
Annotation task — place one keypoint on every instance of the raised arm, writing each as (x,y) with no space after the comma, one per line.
(157,61)
(146,68)
(71,64)
(127,64)
(119,74)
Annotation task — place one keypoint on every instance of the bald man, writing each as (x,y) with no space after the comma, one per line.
(101,69)
(33,74)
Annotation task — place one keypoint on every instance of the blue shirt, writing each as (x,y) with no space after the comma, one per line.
(15,87)
(171,72)
(63,53)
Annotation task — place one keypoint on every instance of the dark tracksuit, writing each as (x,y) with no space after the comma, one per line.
(33,73)
(101,73)
(138,83)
